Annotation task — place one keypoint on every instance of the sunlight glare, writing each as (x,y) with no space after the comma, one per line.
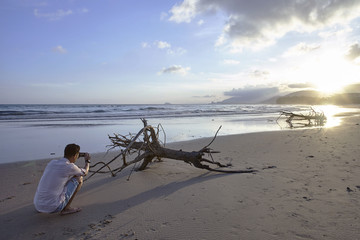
(329,72)
(333,113)
(330,112)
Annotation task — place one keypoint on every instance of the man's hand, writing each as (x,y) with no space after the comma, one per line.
(87,157)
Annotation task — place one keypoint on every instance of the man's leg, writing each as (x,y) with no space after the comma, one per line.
(67,209)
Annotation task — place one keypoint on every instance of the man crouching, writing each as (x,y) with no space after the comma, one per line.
(60,182)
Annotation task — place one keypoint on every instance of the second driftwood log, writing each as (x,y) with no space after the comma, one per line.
(313,118)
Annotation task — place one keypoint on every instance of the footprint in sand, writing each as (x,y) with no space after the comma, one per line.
(8,198)
(94,228)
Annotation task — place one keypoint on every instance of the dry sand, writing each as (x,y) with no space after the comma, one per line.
(312,191)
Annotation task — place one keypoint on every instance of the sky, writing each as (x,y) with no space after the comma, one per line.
(174,51)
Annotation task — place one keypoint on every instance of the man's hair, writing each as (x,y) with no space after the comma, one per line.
(71,150)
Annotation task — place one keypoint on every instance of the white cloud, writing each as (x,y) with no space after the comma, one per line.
(259,23)
(205,96)
(176,69)
(162,44)
(184,12)
(200,22)
(221,40)
(252,94)
(53,16)
(301,49)
(177,51)
(259,74)
(335,33)
(59,49)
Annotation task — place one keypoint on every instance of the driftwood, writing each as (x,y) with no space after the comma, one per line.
(313,118)
(151,148)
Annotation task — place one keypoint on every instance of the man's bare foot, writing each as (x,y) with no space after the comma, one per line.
(70,210)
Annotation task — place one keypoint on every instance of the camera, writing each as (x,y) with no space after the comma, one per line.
(82,154)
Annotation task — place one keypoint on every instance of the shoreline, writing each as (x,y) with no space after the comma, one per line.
(102,154)
(336,119)
(312,192)
(45,139)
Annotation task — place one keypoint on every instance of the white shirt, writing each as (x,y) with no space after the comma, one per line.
(51,189)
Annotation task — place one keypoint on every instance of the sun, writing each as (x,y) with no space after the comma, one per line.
(331,74)
(329,87)
(328,73)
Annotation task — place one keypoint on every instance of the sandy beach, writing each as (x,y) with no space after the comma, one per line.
(307,187)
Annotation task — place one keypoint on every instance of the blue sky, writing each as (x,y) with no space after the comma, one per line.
(190,51)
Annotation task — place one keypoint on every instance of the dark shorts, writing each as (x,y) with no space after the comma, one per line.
(71,187)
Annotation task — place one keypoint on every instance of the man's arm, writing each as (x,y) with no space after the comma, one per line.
(87,163)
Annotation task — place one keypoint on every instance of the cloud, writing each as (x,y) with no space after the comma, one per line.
(184,12)
(301,49)
(352,88)
(59,49)
(175,69)
(259,73)
(205,96)
(176,51)
(301,85)
(251,94)
(53,16)
(259,23)
(354,52)
(253,90)
(335,32)
(162,44)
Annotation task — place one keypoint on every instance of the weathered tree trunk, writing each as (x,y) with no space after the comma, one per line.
(151,148)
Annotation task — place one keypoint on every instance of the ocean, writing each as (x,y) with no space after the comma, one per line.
(30,131)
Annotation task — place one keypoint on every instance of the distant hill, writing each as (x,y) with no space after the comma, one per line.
(260,99)
(305,93)
(316,98)
(301,97)
(247,99)
(270,100)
